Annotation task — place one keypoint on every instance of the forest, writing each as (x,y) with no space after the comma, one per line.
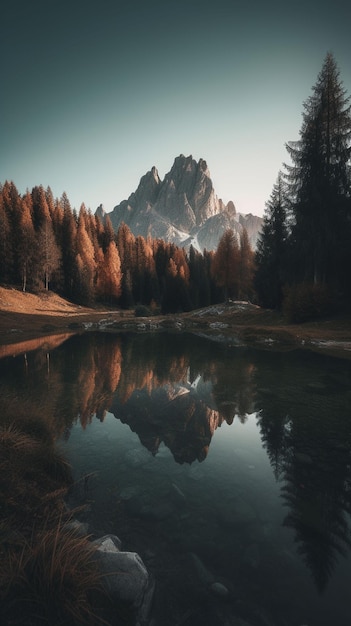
(46,245)
(301,263)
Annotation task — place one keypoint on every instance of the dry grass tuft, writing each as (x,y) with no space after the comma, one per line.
(47,571)
(34,478)
(50,577)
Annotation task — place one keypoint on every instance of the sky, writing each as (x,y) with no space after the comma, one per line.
(95,93)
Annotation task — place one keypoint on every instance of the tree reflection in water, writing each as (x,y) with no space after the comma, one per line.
(179,390)
(308,441)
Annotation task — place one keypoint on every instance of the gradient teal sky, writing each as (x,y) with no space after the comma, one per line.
(93,94)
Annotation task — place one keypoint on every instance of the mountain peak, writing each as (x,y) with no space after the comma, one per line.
(180,207)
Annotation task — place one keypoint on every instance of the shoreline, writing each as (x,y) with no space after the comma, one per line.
(47,333)
(45,320)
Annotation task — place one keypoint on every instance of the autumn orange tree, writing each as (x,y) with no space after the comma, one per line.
(6,248)
(47,253)
(109,275)
(23,240)
(85,259)
(125,241)
(144,272)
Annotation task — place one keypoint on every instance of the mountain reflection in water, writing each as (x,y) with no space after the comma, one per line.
(176,391)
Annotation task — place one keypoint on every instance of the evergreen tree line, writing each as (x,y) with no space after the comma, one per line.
(46,245)
(304,249)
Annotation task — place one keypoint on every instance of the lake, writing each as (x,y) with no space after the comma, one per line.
(227,469)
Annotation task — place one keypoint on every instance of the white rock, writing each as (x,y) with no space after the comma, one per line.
(219,590)
(124,576)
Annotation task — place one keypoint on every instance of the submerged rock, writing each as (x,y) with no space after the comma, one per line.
(219,590)
(125,578)
(108,543)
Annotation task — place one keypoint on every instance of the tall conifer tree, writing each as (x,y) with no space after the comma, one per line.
(111,274)
(85,259)
(27,247)
(319,181)
(41,212)
(246,267)
(271,252)
(125,244)
(226,264)
(68,247)
(6,247)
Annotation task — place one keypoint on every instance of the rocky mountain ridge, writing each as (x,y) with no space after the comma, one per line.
(183,208)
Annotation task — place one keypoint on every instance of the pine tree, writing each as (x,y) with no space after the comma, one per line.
(12,206)
(68,248)
(140,270)
(246,267)
(109,233)
(126,299)
(125,245)
(48,257)
(215,292)
(27,247)
(199,279)
(145,283)
(41,213)
(100,230)
(173,273)
(271,253)
(6,251)
(226,263)
(54,207)
(319,181)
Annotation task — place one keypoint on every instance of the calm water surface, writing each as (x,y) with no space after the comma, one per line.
(216,464)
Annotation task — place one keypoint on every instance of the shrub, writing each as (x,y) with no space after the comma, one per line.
(155,308)
(306,301)
(142,311)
